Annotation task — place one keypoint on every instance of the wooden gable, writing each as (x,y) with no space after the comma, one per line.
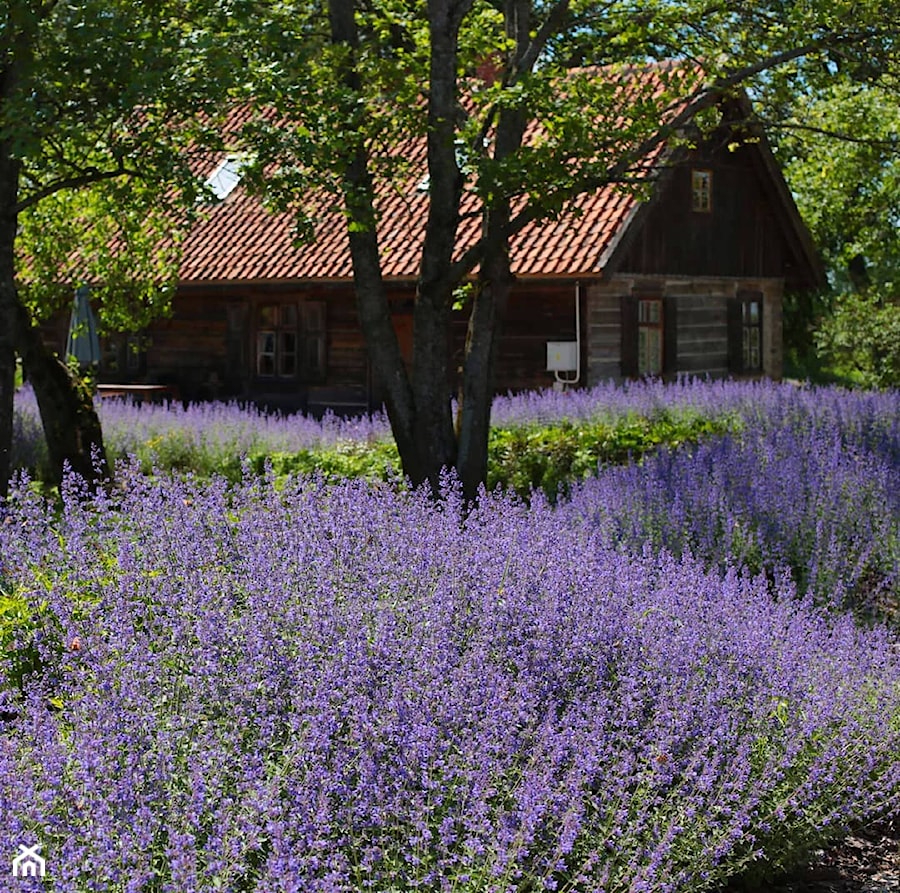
(750,229)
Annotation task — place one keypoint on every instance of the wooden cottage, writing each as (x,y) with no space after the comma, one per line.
(689,281)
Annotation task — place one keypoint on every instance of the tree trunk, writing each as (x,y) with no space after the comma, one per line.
(419,410)
(476,393)
(7,390)
(374,311)
(71,426)
(435,437)
(431,347)
(494,281)
(384,350)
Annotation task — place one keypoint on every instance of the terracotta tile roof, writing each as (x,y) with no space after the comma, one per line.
(239,240)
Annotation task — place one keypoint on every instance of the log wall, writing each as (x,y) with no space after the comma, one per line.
(702,328)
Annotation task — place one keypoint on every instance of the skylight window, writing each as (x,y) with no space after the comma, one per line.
(225,177)
(463,162)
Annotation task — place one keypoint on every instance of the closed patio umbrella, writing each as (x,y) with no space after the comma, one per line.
(83,343)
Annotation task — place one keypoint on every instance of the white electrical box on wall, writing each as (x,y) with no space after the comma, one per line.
(562,356)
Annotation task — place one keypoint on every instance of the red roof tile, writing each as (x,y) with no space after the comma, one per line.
(239,240)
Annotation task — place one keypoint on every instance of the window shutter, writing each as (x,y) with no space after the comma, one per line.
(735,336)
(629,343)
(313,316)
(236,353)
(745,297)
(762,329)
(312,321)
(670,335)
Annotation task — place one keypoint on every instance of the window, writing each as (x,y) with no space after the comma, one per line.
(276,341)
(111,354)
(745,322)
(701,190)
(124,356)
(290,341)
(751,334)
(136,354)
(650,336)
(225,177)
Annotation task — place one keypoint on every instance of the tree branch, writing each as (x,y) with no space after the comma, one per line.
(529,57)
(76,181)
(552,23)
(744,73)
(891,142)
(700,99)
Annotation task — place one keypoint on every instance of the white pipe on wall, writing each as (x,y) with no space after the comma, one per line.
(577,378)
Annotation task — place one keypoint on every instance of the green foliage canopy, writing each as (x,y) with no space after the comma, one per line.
(840,146)
(842,159)
(103,108)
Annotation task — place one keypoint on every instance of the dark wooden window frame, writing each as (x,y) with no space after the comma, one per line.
(136,354)
(123,356)
(631,326)
(701,190)
(651,321)
(745,333)
(276,340)
(289,341)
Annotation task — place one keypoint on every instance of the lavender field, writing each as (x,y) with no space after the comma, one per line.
(686,670)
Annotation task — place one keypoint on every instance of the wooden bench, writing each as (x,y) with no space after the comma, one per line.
(139,393)
(343,401)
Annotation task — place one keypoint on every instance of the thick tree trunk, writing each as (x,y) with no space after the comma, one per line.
(384,350)
(477,388)
(374,311)
(71,426)
(419,410)
(9,225)
(7,389)
(431,348)
(435,437)
(494,282)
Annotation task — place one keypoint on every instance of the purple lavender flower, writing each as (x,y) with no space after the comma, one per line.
(345,688)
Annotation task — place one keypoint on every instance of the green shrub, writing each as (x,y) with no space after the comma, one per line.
(377,461)
(552,457)
(18,649)
(861,339)
(521,458)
